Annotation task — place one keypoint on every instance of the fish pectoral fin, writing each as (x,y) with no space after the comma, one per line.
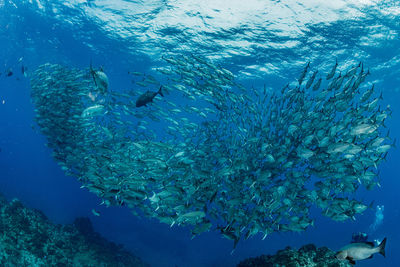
(370,257)
(351,261)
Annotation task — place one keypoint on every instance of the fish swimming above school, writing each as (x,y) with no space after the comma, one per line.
(218,156)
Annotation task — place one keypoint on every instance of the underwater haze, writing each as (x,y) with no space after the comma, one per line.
(170,48)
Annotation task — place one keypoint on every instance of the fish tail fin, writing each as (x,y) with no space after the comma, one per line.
(160,92)
(371,206)
(384,157)
(382,246)
(388,133)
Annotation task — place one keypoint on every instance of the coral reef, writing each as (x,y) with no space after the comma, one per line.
(308,255)
(28,238)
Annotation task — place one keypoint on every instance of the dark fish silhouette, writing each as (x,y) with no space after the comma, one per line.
(359,237)
(147,97)
(23,70)
(9,72)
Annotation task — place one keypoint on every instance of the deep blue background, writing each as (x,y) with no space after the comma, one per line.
(28,172)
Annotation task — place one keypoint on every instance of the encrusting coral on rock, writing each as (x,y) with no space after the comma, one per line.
(28,238)
(307,256)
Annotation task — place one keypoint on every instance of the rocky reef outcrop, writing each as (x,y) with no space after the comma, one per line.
(28,238)
(307,256)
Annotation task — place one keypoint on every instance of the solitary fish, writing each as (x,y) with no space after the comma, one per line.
(360,251)
(95,212)
(147,97)
(9,72)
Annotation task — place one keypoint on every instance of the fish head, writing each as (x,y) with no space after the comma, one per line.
(341,255)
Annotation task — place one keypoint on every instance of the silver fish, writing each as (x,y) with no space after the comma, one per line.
(360,251)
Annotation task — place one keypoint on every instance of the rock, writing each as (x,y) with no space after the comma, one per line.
(28,238)
(308,255)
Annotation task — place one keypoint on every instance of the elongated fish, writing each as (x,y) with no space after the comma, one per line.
(303,74)
(332,73)
(311,80)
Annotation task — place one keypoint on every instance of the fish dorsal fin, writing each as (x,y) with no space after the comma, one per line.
(363,242)
(369,243)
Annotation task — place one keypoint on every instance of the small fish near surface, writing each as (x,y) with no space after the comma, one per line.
(360,251)
(332,72)
(147,97)
(303,74)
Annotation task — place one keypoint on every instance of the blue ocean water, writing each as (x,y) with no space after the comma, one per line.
(261,42)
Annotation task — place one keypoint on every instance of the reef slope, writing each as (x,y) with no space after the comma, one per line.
(28,238)
(308,255)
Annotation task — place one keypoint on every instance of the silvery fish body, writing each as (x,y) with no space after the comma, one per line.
(360,251)
(101,81)
(93,111)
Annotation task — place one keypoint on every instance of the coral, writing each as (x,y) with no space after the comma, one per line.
(308,255)
(28,238)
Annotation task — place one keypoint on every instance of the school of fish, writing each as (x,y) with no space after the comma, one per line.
(208,153)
